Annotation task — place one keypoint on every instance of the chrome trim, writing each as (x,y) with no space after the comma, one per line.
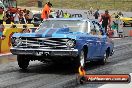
(52,43)
(42,52)
(45,49)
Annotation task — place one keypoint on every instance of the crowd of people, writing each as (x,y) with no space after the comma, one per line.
(17,17)
(25,16)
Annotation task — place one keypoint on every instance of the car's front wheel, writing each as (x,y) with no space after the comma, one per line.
(23,61)
(105,58)
(80,60)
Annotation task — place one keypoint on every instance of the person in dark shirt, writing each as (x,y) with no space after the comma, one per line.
(96,14)
(8,17)
(106,20)
(22,18)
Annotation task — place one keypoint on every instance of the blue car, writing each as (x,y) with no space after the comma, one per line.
(58,39)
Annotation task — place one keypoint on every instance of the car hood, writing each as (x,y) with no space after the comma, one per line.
(51,33)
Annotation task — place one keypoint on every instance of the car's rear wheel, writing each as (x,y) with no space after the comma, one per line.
(23,61)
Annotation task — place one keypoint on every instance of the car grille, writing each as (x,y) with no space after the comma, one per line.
(44,43)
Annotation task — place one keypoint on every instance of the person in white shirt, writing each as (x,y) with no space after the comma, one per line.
(16,18)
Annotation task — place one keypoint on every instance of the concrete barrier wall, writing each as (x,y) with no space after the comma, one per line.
(18,25)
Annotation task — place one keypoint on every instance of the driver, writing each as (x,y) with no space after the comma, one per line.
(94,32)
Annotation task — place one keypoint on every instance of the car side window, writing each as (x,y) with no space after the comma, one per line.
(93,30)
(98,28)
(83,26)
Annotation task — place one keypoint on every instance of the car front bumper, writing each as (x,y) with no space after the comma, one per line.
(44,52)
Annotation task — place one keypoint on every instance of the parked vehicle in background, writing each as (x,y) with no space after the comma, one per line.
(73,39)
(37,19)
(127,21)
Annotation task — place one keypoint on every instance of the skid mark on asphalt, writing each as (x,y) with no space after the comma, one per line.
(99,69)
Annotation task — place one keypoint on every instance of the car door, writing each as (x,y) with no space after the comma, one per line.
(103,45)
(100,40)
(92,42)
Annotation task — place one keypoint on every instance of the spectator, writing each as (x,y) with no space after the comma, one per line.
(66,15)
(58,14)
(1,31)
(25,29)
(106,20)
(120,13)
(24,11)
(46,11)
(1,15)
(91,11)
(12,18)
(8,17)
(96,14)
(22,18)
(30,14)
(94,31)
(26,17)
(16,18)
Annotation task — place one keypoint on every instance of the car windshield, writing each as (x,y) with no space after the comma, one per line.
(73,25)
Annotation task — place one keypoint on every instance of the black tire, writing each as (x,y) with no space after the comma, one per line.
(105,58)
(81,80)
(23,61)
(77,61)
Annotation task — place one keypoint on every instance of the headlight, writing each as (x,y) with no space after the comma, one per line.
(16,41)
(70,43)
